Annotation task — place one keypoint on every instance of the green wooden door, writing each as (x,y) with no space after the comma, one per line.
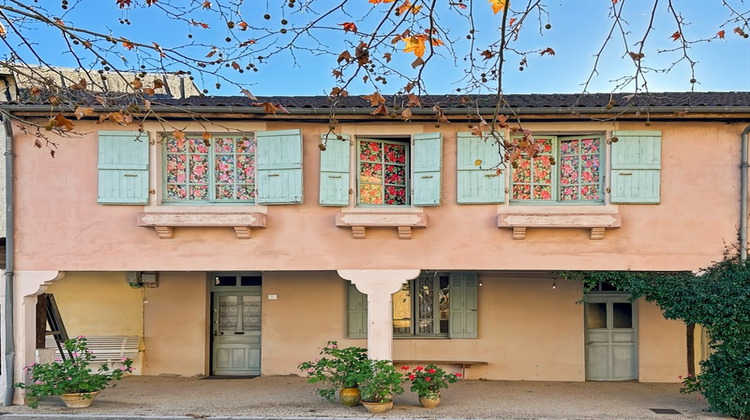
(610,338)
(236,332)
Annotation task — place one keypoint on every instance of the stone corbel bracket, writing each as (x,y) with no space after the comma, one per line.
(596,222)
(403,222)
(165,222)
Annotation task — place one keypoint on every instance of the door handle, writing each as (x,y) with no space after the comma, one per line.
(239,333)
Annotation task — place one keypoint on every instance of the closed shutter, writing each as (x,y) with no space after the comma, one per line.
(427,154)
(478,185)
(636,167)
(463,303)
(279,167)
(356,319)
(334,171)
(123,167)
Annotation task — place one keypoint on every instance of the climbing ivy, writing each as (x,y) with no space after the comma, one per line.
(718,298)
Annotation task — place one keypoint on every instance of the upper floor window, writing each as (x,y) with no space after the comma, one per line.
(575,177)
(214,170)
(382,172)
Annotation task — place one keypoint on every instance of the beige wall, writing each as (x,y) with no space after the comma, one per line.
(662,344)
(688,230)
(175,329)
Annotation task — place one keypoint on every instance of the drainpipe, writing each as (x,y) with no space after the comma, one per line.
(10,351)
(743,195)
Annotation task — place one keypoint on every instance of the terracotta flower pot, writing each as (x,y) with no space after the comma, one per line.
(378,407)
(430,400)
(79,399)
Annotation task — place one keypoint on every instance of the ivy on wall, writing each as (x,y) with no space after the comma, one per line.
(718,298)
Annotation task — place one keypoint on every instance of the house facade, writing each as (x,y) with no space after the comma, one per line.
(235,242)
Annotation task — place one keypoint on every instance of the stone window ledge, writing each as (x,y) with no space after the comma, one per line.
(596,219)
(403,221)
(164,222)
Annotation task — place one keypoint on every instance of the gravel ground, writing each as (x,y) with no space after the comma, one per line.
(291,396)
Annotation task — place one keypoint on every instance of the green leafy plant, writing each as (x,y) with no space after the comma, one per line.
(382,383)
(71,375)
(337,368)
(429,380)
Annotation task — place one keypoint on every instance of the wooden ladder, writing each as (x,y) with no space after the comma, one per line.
(48,314)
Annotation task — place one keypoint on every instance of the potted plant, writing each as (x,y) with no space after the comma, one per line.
(339,369)
(428,381)
(380,386)
(71,379)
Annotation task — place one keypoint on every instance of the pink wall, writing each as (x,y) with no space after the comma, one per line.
(63,227)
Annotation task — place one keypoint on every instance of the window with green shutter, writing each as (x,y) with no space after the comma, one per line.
(432,305)
(265,168)
(123,168)
(334,170)
(483,183)
(636,167)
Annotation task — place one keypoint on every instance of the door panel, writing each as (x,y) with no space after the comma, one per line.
(236,332)
(610,339)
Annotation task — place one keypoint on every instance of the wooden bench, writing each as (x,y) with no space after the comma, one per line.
(465,364)
(111,348)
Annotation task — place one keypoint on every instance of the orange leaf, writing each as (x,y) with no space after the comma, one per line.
(62,122)
(720,34)
(201,24)
(487,54)
(137,84)
(406,114)
(549,51)
(81,85)
(206,136)
(158,84)
(269,108)
(349,26)
(415,44)
(206,4)
(178,134)
(499,5)
(149,91)
(414,101)
(381,110)
(337,91)
(675,36)
(243,25)
(478,162)
(127,45)
(81,112)
(375,99)
(235,65)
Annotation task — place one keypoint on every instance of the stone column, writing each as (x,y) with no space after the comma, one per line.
(379,285)
(27,285)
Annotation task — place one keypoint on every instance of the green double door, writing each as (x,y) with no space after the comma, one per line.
(236,328)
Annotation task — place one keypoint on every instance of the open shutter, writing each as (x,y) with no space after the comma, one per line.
(426,178)
(356,320)
(463,303)
(477,185)
(636,167)
(279,166)
(334,171)
(123,167)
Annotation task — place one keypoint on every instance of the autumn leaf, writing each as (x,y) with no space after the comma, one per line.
(381,1)
(337,73)
(487,54)
(675,36)
(381,110)
(337,91)
(123,3)
(137,84)
(242,25)
(499,5)
(158,84)
(349,26)
(636,56)
(236,65)
(407,7)
(387,57)
(345,56)
(81,112)
(415,44)
(720,34)
(549,51)
(211,53)
(406,114)
(206,4)
(375,99)
(248,94)
(158,48)
(60,121)
(416,63)
(150,2)
(414,101)
(127,45)
(201,24)
(81,85)
(478,162)
(206,136)
(178,134)
(149,91)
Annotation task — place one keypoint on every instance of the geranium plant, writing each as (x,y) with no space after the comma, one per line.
(337,368)
(71,375)
(429,380)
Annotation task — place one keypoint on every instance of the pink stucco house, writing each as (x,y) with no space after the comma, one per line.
(243,251)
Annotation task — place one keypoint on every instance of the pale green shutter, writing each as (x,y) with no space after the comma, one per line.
(475,184)
(463,303)
(334,171)
(279,167)
(427,154)
(123,167)
(356,320)
(636,167)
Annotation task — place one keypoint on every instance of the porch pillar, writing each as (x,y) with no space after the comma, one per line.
(27,285)
(379,285)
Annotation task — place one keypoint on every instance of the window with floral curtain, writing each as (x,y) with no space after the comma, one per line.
(219,169)
(382,171)
(575,176)
(422,307)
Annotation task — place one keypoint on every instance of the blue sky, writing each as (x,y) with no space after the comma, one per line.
(578,28)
